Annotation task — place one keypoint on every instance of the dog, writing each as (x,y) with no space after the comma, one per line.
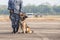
(25,27)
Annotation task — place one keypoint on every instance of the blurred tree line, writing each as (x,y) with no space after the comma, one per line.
(41,9)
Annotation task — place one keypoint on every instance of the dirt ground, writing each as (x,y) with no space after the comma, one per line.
(5,18)
(43,29)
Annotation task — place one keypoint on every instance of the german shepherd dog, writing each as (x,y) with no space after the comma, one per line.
(25,28)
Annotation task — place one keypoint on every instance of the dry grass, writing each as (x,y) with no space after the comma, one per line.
(5,18)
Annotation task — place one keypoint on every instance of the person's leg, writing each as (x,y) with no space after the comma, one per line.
(17,26)
(13,26)
(12,18)
(13,23)
(13,29)
(11,12)
(16,22)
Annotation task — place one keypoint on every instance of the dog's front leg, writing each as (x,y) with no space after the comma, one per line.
(24,27)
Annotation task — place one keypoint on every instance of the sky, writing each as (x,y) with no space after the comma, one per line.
(35,2)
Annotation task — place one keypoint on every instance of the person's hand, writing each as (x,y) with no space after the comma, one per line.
(21,14)
(11,11)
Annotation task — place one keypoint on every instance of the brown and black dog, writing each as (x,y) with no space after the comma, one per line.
(25,28)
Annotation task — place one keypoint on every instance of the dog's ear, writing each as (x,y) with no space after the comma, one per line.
(25,16)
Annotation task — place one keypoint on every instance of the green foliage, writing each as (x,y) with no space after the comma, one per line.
(40,9)
(56,9)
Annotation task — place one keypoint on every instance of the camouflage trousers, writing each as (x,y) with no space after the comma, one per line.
(15,21)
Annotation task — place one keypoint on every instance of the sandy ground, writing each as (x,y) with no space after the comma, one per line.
(5,18)
(43,29)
